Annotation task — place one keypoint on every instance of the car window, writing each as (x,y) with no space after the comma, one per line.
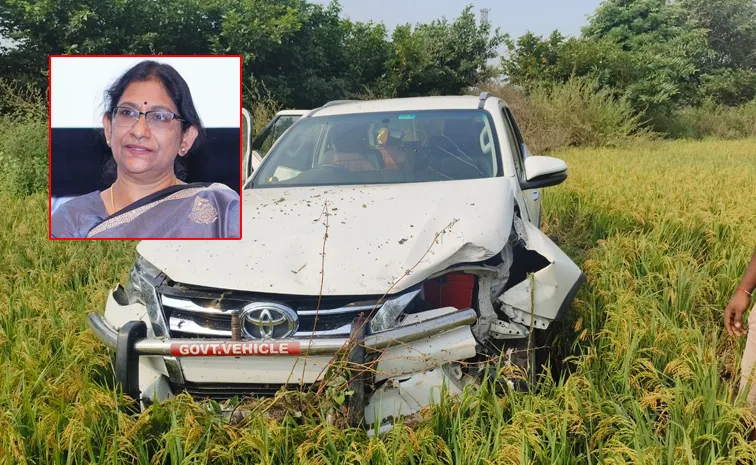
(279,127)
(513,144)
(513,121)
(298,156)
(386,147)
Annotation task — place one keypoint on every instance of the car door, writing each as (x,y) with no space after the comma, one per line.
(532,197)
(247,134)
(275,129)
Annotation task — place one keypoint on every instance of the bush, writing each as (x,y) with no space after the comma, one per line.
(262,113)
(713,120)
(23,155)
(23,141)
(574,114)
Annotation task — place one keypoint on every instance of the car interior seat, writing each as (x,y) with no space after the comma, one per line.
(352,150)
(393,155)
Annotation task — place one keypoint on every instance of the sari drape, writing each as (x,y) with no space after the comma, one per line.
(197,210)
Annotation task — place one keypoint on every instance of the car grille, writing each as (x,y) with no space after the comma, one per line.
(222,392)
(193,313)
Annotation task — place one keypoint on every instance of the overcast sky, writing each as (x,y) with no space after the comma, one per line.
(514,17)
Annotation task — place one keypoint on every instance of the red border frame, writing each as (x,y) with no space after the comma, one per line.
(49,154)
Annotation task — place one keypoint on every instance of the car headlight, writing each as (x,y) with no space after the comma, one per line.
(387,315)
(142,277)
(454,289)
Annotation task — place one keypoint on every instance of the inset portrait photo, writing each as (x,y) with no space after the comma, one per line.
(145,147)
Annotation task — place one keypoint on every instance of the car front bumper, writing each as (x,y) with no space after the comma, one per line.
(109,335)
(413,359)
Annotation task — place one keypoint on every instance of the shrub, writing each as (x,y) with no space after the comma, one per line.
(23,155)
(23,141)
(575,113)
(259,100)
(713,120)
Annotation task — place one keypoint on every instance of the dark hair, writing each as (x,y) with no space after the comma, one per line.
(177,90)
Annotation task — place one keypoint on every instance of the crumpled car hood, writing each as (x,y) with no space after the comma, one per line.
(376,234)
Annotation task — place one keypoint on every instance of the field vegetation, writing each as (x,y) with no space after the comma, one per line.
(652,106)
(662,231)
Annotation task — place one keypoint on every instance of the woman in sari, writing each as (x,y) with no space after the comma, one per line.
(151,126)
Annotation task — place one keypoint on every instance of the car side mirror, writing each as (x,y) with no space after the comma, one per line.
(541,171)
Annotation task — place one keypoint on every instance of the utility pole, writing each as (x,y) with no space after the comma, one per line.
(484,16)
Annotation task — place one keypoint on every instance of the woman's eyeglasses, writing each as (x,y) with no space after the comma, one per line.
(159,120)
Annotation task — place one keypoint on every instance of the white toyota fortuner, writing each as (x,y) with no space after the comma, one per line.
(404,233)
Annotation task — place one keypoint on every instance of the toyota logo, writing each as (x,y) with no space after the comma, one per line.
(265,320)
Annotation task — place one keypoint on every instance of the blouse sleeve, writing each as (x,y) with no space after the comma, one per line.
(62,223)
(234,219)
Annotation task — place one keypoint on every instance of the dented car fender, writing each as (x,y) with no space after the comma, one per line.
(553,286)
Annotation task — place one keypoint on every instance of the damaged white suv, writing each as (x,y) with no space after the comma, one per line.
(403,233)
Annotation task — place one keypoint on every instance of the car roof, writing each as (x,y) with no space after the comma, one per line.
(292,112)
(452,102)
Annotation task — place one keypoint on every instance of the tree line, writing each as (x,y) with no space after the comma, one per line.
(658,55)
(299,53)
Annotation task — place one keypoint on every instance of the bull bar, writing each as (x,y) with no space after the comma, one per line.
(110,336)
(131,342)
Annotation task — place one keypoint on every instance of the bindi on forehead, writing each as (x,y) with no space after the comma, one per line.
(149,95)
(154,106)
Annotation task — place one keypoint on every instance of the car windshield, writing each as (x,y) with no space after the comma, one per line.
(386,147)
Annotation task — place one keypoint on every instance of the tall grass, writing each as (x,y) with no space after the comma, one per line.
(712,121)
(23,140)
(573,114)
(662,233)
(261,104)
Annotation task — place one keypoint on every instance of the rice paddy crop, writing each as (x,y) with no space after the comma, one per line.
(662,230)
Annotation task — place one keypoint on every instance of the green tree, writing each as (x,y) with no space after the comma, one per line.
(665,48)
(731,31)
(728,73)
(327,58)
(441,57)
(533,60)
(303,54)
(251,28)
(368,49)
(647,51)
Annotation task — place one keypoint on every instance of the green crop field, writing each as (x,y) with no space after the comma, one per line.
(662,230)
